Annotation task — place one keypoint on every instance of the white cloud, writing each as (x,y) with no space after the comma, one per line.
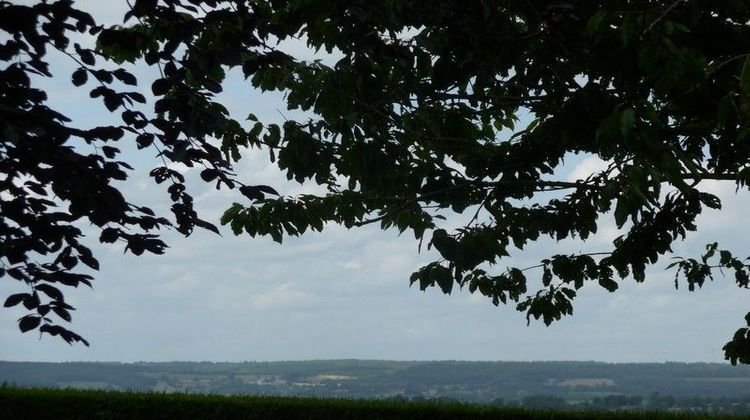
(284,295)
(587,167)
(351,264)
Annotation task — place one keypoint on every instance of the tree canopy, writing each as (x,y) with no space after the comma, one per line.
(422,116)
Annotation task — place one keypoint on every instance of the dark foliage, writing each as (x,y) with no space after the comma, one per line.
(412,121)
(408,126)
(57,178)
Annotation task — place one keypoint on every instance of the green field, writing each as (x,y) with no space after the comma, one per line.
(37,403)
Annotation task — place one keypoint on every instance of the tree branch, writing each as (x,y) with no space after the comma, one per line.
(663,15)
(547,185)
(710,176)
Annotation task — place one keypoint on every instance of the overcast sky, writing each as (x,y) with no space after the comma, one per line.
(345,294)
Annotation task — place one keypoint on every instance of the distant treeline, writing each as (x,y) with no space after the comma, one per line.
(687,386)
(654,402)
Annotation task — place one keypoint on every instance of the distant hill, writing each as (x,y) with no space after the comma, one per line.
(466,381)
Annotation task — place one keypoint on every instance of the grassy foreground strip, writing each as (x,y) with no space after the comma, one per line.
(35,404)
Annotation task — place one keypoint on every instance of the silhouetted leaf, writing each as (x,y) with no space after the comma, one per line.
(89,261)
(51,291)
(442,276)
(160,87)
(87,57)
(80,76)
(137,97)
(31,301)
(251,192)
(745,75)
(212,86)
(266,189)
(209,174)
(208,226)
(15,299)
(62,313)
(125,77)
(29,323)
